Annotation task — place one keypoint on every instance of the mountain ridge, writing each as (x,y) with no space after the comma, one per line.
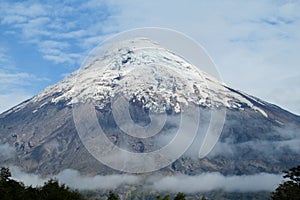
(257,136)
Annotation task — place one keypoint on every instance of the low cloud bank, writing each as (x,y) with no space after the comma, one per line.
(212,181)
(176,183)
(74,179)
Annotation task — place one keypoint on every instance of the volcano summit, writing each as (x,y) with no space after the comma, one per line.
(143,96)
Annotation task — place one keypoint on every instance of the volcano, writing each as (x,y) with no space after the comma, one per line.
(256,137)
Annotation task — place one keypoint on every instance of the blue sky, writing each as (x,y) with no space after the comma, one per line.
(255,44)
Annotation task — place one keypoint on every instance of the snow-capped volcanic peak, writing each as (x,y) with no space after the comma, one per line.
(143,70)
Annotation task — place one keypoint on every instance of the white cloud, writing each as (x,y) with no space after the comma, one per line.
(13,83)
(266,149)
(5,61)
(175,183)
(6,152)
(60,57)
(66,26)
(28,179)
(55,51)
(3,57)
(286,138)
(10,19)
(73,34)
(21,9)
(13,98)
(74,179)
(9,79)
(254,43)
(213,181)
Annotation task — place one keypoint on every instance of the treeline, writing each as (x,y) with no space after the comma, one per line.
(51,190)
(179,196)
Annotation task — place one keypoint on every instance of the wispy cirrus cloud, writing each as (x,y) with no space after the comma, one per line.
(5,62)
(59,30)
(10,80)
(12,98)
(13,82)
(13,88)
(255,44)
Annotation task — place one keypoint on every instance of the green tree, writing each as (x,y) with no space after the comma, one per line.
(112,196)
(163,198)
(9,189)
(290,189)
(203,198)
(53,191)
(180,196)
(13,190)
(31,193)
(4,174)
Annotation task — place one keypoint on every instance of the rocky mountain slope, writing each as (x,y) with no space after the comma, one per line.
(257,136)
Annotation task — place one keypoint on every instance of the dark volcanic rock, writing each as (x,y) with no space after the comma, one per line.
(257,136)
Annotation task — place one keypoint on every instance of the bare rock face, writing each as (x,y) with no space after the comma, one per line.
(257,136)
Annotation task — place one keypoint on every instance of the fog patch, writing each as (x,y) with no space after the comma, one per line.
(27,178)
(176,183)
(7,152)
(277,141)
(74,179)
(214,181)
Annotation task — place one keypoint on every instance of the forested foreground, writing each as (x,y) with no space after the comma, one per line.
(52,190)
